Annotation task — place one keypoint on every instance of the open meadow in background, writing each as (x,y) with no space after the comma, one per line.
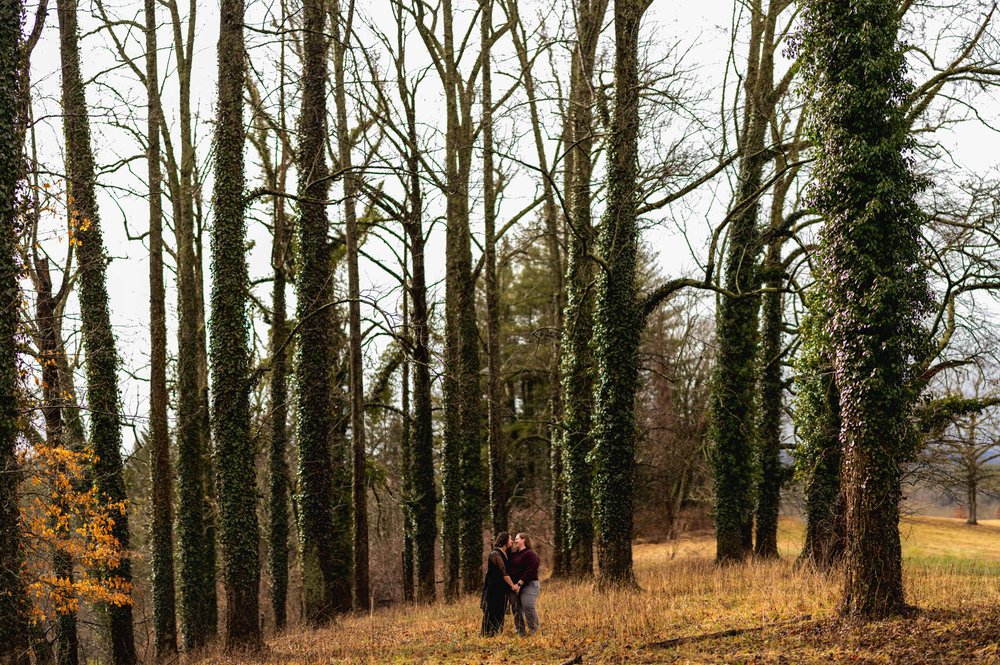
(691,611)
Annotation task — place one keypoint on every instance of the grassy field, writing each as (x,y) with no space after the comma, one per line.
(757,613)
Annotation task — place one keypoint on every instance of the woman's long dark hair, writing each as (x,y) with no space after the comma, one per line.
(501,540)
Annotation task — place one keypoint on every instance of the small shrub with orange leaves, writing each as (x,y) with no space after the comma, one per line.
(68,533)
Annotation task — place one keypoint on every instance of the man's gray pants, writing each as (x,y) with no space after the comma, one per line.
(523,608)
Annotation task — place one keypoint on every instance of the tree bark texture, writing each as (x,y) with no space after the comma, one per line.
(98,338)
(234,454)
(160,468)
(870,269)
(312,361)
(14,634)
(577,329)
(618,319)
(733,405)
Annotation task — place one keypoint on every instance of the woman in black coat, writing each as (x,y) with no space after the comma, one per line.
(496,586)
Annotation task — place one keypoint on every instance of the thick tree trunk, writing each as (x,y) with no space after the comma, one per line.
(312,362)
(14,636)
(405,440)
(160,468)
(577,369)
(871,275)
(234,454)
(99,341)
(618,319)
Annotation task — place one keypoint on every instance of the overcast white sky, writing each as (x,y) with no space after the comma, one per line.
(702,30)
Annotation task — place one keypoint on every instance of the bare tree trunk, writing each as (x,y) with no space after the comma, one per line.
(362,593)
(99,341)
(160,468)
(196,536)
(972,492)
(237,486)
(494,401)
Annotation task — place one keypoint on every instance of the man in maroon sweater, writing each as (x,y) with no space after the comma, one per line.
(523,567)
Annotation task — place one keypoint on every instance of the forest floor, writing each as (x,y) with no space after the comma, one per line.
(689,611)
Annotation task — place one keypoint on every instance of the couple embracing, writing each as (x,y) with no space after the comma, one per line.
(511,579)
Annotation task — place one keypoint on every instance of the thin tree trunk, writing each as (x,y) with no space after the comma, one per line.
(618,320)
(67,641)
(422,430)
(196,540)
(341,42)
(278,487)
(972,492)
(733,403)
(407,454)
(99,341)
(237,486)
(161,471)
(494,401)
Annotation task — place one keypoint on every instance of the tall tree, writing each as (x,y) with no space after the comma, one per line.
(871,275)
(733,412)
(13,601)
(618,319)
(234,454)
(494,399)
(278,459)
(98,338)
(577,329)
(164,613)
(195,533)
(312,362)
(462,473)
(423,495)
(359,464)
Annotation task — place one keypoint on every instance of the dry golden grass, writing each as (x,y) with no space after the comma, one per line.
(774,612)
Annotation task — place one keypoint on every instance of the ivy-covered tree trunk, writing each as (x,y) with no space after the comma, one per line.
(341,452)
(423,490)
(618,319)
(733,402)
(312,360)
(14,636)
(462,482)
(771,391)
(98,338)
(195,535)
(818,454)
(160,468)
(577,330)
(234,453)
(359,464)
(494,398)
(871,276)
